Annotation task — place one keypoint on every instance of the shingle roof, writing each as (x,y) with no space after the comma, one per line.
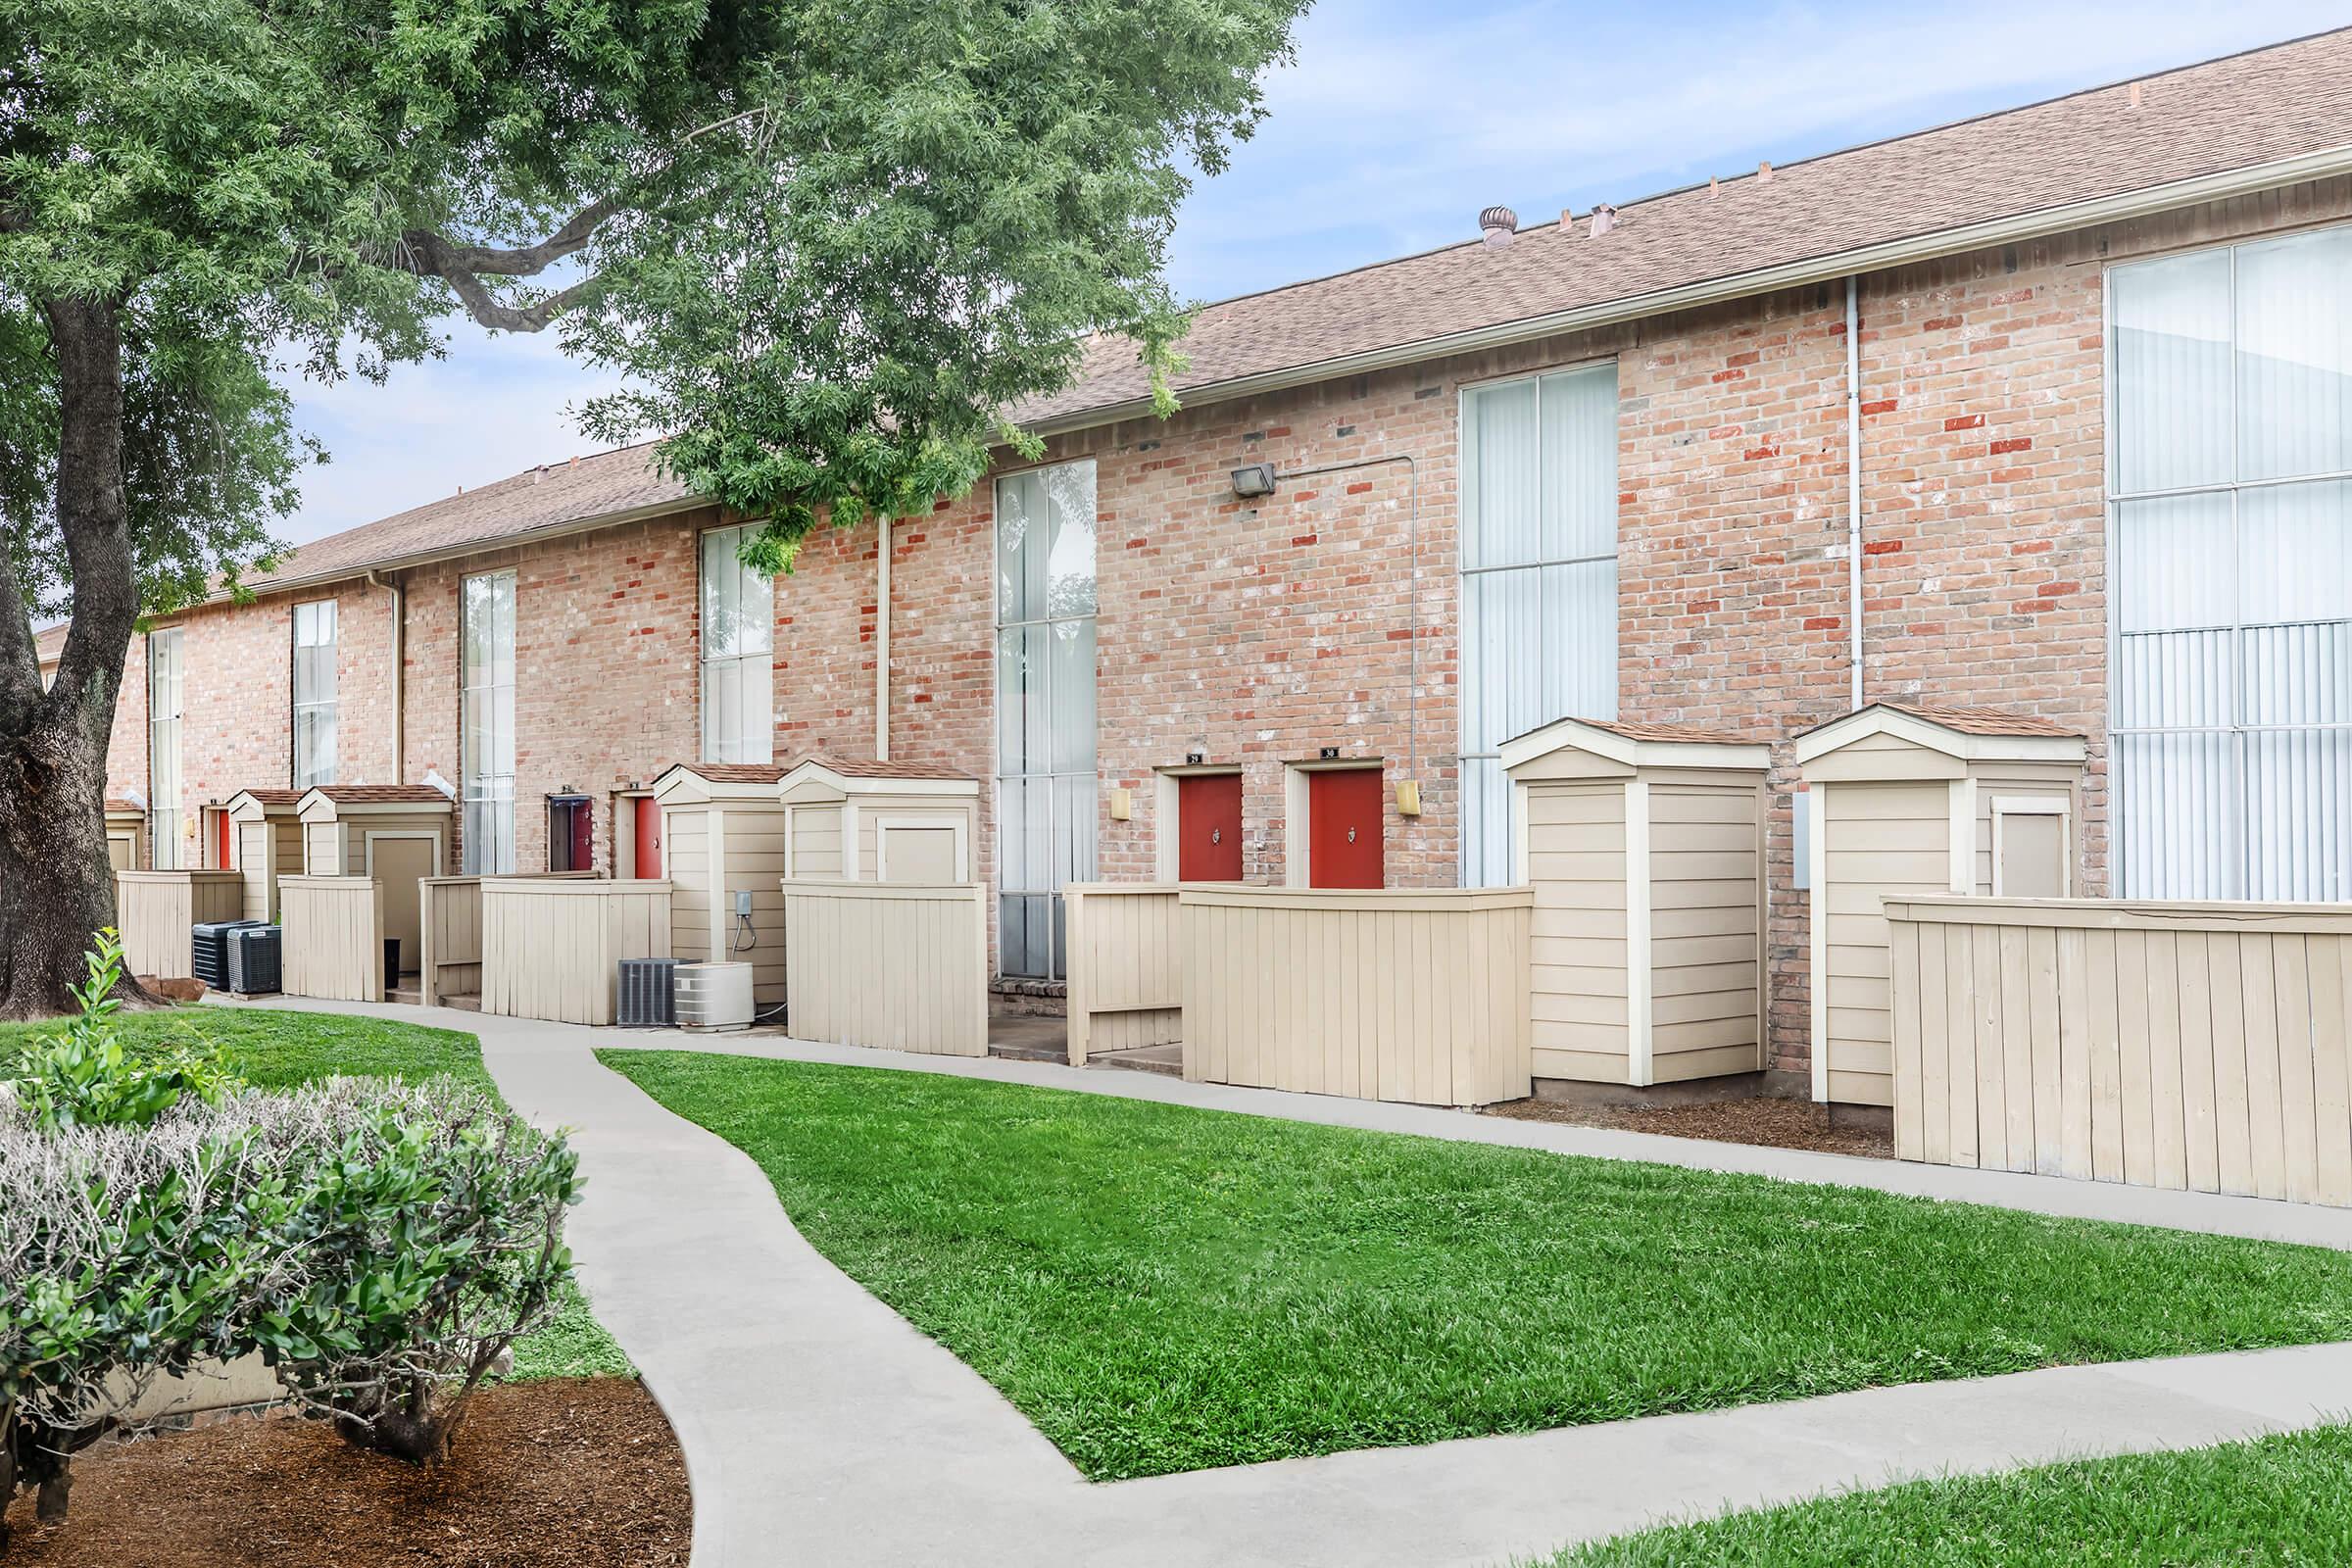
(870,768)
(1984,721)
(735,772)
(376,794)
(273,797)
(2256,107)
(1688,734)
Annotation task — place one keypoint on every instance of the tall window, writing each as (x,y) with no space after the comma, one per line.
(486,697)
(1538,582)
(739,624)
(1045,707)
(314,693)
(2230,492)
(166,679)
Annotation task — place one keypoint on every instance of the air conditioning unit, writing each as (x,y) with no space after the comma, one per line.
(715,996)
(647,992)
(254,960)
(208,946)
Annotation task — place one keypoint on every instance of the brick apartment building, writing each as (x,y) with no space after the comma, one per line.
(2096,418)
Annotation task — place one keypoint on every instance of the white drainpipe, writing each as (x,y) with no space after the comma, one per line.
(400,659)
(882,638)
(1854,477)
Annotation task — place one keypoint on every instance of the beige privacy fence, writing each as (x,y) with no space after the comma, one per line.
(895,965)
(552,945)
(333,942)
(2190,1046)
(1126,970)
(1414,995)
(155,910)
(449,911)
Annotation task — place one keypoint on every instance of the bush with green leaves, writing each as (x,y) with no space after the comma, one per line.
(380,1245)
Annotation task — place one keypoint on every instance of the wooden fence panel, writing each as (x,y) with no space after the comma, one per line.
(551,947)
(155,910)
(450,913)
(896,965)
(1126,972)
(1413,995)
(333,947)
(2197,1046)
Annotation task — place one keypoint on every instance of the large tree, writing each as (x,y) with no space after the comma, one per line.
(829,242)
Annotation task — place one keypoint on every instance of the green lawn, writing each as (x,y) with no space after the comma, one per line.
(277,1050)
(1160,1289)
(274,1048)
(2277,1500)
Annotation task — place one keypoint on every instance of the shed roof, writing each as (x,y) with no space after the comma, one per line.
(872,767)
(1636,743)
(1969,734)
(270,796)
(378,793)
(732,772)
(1982,720)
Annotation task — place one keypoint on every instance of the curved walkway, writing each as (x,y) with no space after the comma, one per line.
(820,1429)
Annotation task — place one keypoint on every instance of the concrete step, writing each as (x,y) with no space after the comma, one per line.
(1166,1060)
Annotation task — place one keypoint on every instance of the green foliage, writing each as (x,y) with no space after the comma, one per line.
(2285,1499)
(84,1077)
(274,1048)
(1162,1289)
(830,242)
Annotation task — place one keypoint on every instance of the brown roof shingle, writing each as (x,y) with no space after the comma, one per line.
(1984,721)
(1687,734)
(2256,107)
(379,794)
(870,768)
(735,772)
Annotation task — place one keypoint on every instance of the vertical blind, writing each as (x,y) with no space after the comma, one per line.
(1538,582)
(166,684)
(738,625)
(486,697)
(2231,450)
(315,694)
(1046,795)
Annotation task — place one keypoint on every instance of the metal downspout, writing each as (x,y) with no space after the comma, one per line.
(882,638)
(1853,478)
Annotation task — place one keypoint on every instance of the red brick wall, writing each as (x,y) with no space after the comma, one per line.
(1258,633)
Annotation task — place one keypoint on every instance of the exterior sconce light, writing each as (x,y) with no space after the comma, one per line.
(1122,806)
(1254,481)
(1408,797)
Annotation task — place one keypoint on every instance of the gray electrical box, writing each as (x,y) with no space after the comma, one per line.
(743,903)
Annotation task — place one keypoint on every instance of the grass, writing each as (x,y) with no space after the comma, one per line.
(280,1049)
(2281,1499)
(1160,1289)
(277,1050)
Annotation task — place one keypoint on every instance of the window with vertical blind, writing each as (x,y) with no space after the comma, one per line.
(1538,580)
(166,674)
(486,699)
(739,626)
(1046,794)
(2230,490)
(315,694)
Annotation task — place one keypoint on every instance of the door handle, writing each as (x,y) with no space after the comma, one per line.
(1352,835)
(1216,835)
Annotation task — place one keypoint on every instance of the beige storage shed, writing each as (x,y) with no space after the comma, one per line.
(1644,846)
(267,827)
(722,832)
(125,836)
(880,823)
(397,834)
(1904,801)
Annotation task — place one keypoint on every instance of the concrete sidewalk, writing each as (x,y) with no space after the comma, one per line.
(819,1428)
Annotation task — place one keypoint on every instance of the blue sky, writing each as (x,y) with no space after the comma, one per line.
(1396,124)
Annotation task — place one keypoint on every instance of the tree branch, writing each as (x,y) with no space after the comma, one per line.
(464,266)
(489,311)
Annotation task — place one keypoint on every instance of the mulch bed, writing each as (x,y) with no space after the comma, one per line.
(1775,1122)
(578,1472)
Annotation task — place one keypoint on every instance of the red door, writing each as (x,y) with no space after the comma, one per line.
(1209,827)
(1344,817)
(220,857)
(649,838)
(583,847)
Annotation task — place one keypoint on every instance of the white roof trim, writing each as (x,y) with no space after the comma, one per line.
(1879,719)
(1577,735)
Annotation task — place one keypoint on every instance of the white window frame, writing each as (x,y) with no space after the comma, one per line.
(1465,490)
(2240,847)
(163,806)
(745,663)
(2057,806)
(467,776)
(305,774)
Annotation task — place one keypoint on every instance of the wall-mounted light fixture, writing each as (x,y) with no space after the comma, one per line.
(1122,806)
(1408,797)
(1253,480)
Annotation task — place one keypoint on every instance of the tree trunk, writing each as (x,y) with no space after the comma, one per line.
(56,885)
